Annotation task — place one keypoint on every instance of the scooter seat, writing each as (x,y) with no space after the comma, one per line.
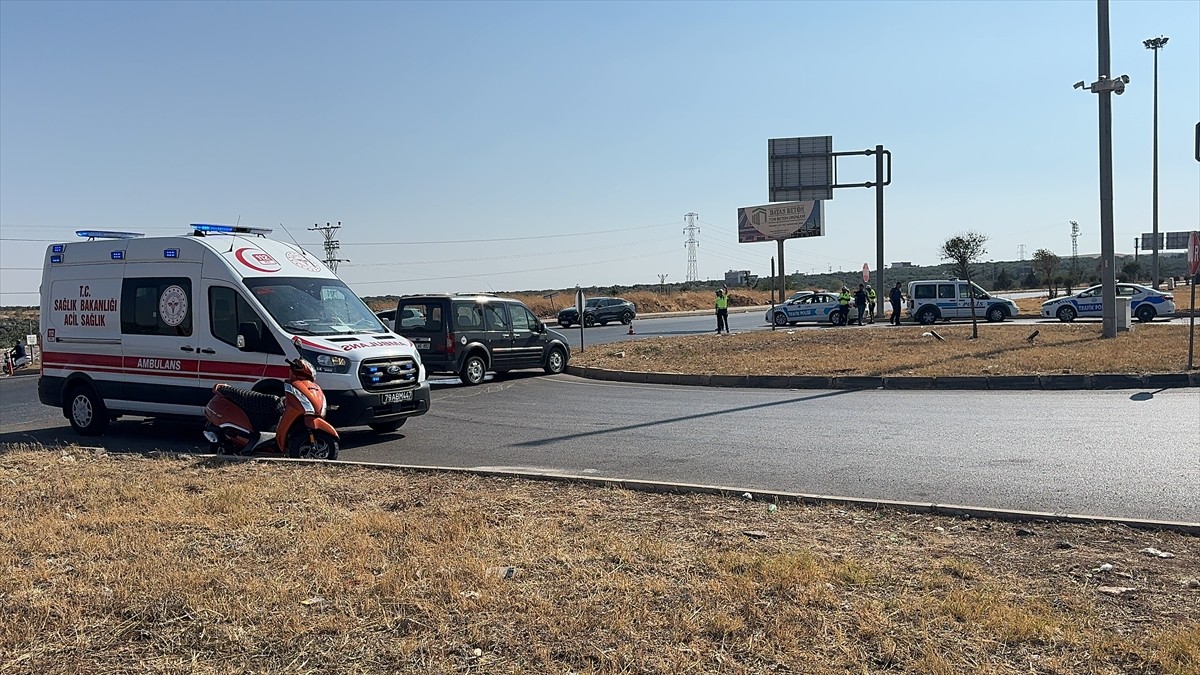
(264,410)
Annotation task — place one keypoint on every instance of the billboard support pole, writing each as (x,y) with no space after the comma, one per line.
(773,295)
(880,287)
(782,278)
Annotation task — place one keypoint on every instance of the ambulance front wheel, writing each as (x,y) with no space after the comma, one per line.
(86,411)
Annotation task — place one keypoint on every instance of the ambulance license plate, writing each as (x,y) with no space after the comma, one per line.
(395,397)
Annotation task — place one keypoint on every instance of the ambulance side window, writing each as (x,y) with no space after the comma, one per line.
(227,311)
(157,306)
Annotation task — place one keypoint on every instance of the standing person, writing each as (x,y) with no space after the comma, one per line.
(722,306)
(860,302)
(871,304)
(844,305)
(895,297)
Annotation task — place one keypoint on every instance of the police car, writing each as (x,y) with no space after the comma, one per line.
(1145,303)
(808,307)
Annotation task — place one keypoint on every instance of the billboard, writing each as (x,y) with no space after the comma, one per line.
(1167,241)
(799,168)
(788,220)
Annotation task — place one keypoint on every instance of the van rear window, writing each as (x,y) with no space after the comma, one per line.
(419,317)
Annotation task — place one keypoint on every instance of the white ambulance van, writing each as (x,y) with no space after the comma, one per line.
(146,326)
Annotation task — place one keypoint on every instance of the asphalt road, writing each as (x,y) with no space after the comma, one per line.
(746,321)
(1118,453)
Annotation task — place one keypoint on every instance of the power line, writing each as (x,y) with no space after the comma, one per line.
(496,274)
(429,242)
(536,254)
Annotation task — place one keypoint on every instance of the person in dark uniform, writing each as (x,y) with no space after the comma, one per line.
(895,298)
(860,302)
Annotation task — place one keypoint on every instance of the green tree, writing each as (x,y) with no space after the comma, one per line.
(1131,270)
(1003,280)
(1046,262)
(961,251)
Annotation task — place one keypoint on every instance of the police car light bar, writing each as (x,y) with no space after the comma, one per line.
(107,234)
(229,229)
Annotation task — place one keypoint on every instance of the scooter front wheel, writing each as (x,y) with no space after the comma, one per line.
(321,445)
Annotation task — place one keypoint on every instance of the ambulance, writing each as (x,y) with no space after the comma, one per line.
(145,326)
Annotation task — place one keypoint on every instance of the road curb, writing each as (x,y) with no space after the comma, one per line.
(1062,382)
(768,497)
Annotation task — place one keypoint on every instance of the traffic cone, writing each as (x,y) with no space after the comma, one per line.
(631,329)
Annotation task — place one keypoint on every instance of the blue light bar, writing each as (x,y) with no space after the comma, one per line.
(201,227)
(107,234)
(57,248)
(55,259)
(171,253)
(118,255)
(229,229)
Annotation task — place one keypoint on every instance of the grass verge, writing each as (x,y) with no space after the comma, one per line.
(1001,349)
(169,565)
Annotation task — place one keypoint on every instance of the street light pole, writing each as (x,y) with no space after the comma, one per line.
(1155,44)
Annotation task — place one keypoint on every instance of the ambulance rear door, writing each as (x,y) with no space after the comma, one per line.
(161,313)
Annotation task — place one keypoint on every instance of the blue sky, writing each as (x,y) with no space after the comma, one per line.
(560,143)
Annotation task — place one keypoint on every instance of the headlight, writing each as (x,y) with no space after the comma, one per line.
(326,363)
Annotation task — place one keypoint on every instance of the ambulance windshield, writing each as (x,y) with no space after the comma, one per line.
(307,306)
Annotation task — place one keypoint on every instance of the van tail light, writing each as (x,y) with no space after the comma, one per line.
(449,341)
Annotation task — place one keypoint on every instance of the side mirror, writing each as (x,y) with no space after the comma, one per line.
(539,327)
(249,336)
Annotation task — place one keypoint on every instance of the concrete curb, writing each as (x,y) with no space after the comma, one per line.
(768,497)
(991,382)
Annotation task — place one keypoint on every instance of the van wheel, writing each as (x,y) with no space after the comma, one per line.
(1146,313)
(556,361)
(780,319)
(627,318)
(322,445)
(927,316)
(996,314)
(473,370)
(387,427)
(1066,314)
(86,411)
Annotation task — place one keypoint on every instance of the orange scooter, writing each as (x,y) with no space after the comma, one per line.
(291,422)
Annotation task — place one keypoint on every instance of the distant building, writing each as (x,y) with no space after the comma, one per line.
(740,278)
(901,265)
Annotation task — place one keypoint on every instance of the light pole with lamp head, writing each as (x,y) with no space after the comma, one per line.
(1155,44)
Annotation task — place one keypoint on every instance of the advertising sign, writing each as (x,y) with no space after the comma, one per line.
(773,222)
(866,273)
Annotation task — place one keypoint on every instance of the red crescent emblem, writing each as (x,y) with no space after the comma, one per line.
(256,259)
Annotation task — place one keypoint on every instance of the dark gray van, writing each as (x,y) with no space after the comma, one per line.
(469,335)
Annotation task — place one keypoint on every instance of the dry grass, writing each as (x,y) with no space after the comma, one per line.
(121,564)
(1002,349)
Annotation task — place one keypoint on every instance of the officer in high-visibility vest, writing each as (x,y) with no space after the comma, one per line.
(722,306)
(871,304)
(844,305)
